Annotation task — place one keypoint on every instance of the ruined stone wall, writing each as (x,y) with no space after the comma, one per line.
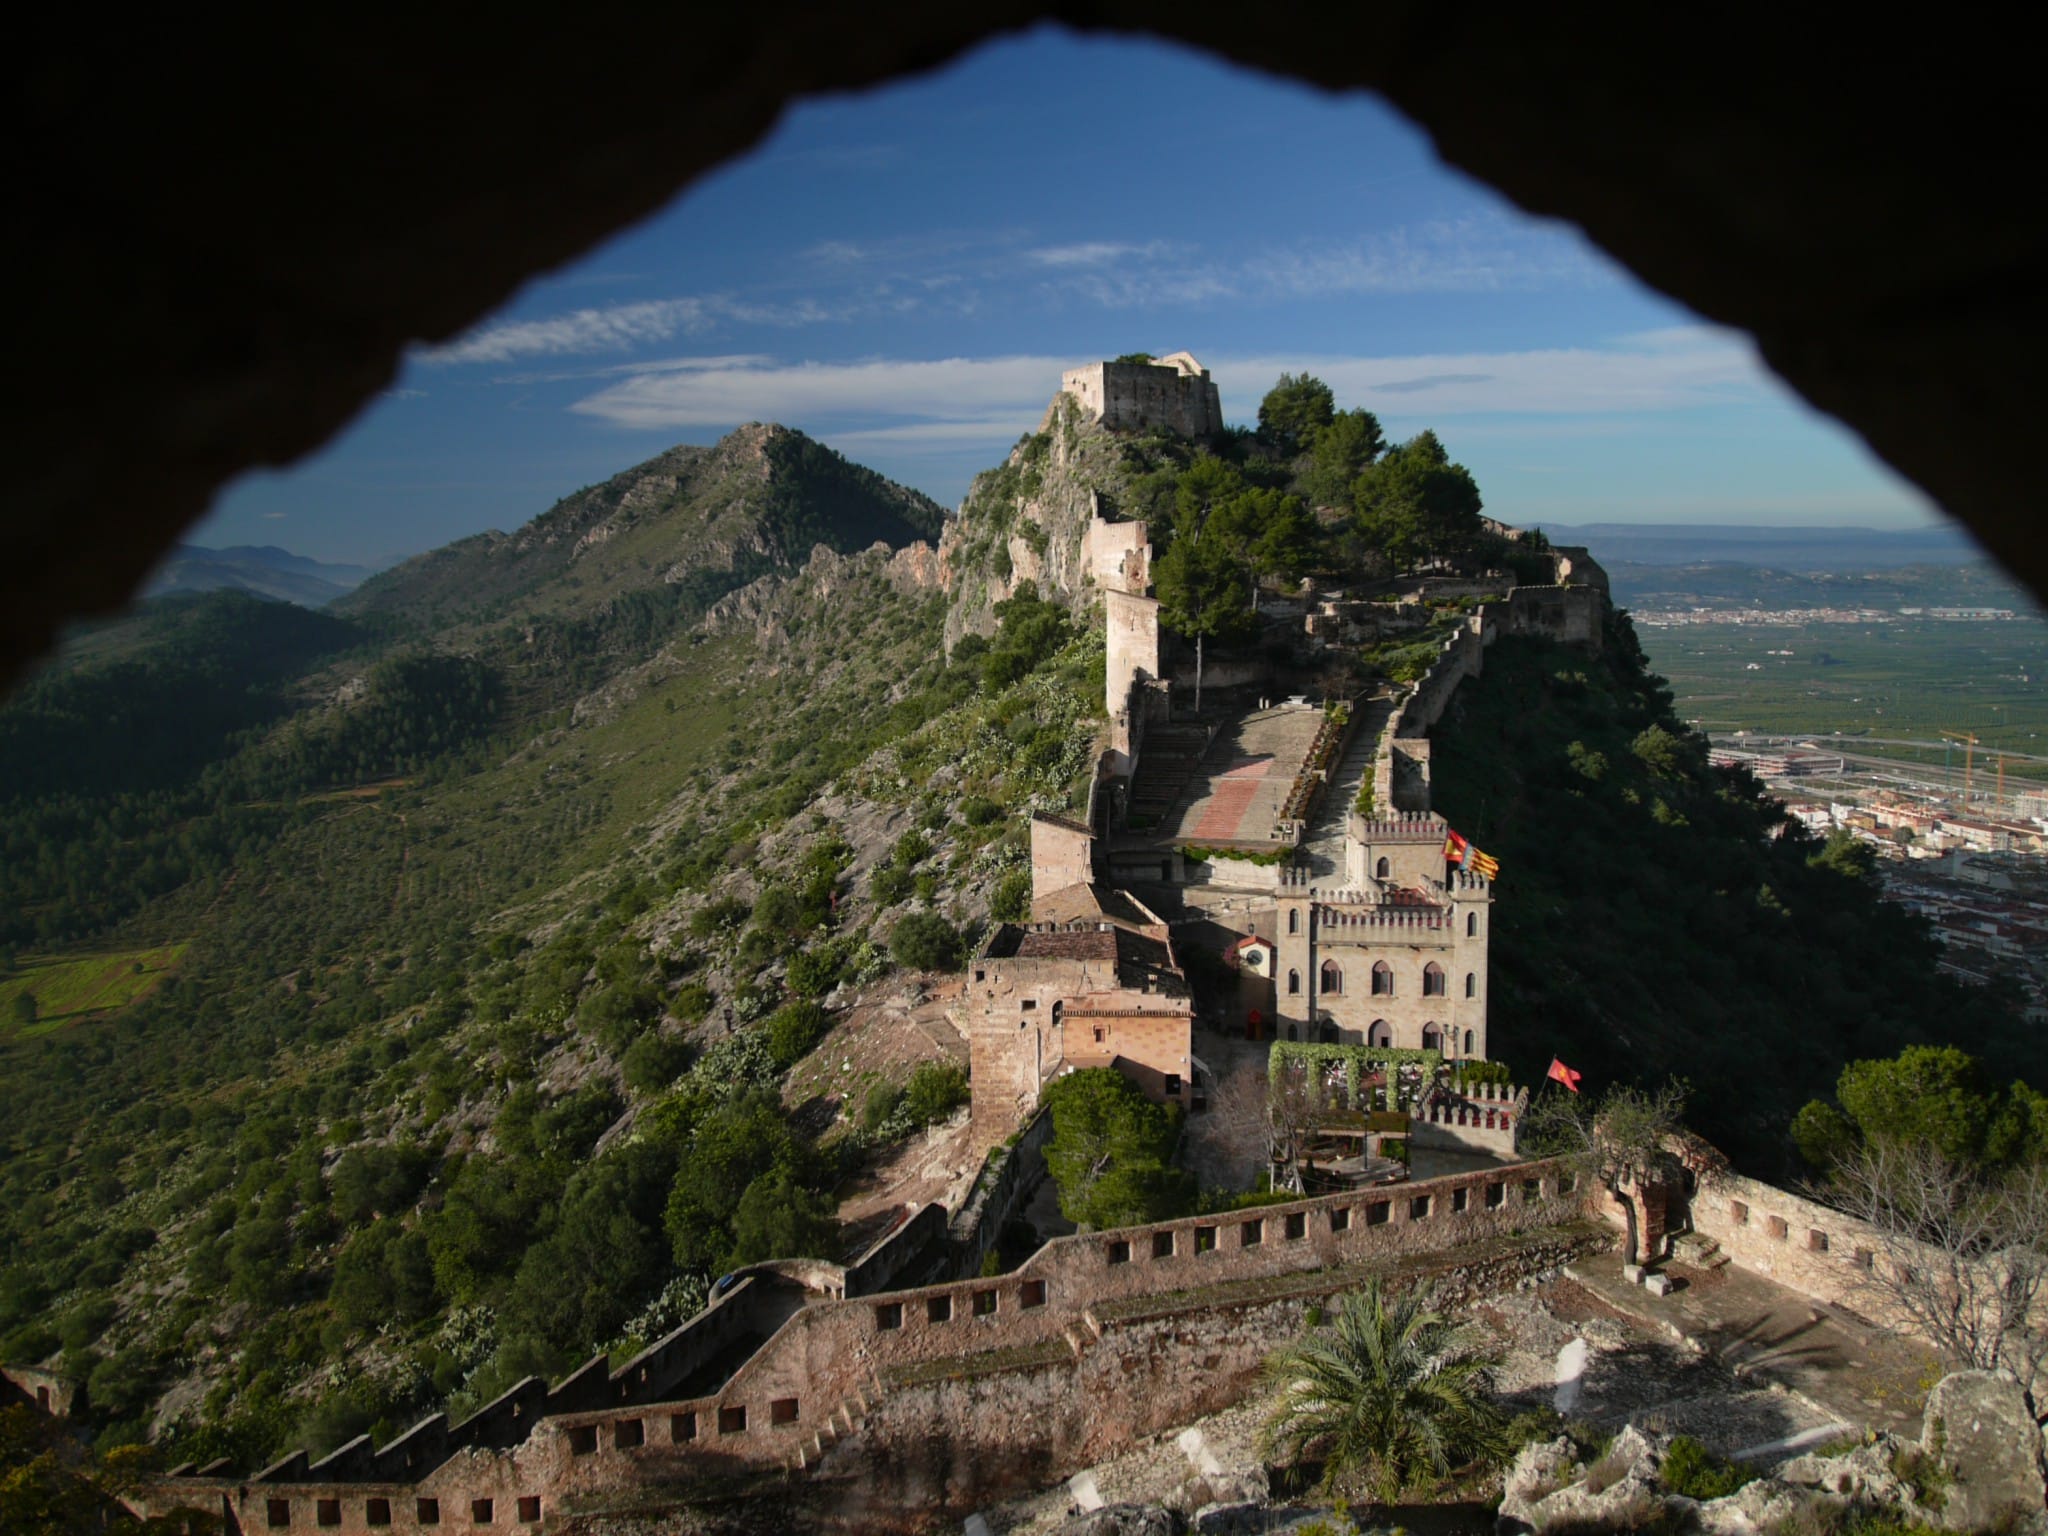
(1117,557)
(1570,615)
(1163,1298)
(44,1391)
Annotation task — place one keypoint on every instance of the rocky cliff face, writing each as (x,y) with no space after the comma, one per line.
(1025,520)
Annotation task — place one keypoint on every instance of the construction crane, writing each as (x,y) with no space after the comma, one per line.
(1969,741)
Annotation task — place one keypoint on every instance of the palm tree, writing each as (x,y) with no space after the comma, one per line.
(1395,1392)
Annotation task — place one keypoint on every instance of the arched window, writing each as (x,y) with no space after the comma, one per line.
(1381,1033)
(1471,925)
(1382,979)
(1293,985)
(1432,1038)
(1433,980)
(1333,979)
(1468,1042)
(1471,983)
(1382,869)
(1294,919)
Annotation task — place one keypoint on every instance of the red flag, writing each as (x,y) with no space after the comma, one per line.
(1560,1073)
(1456,849)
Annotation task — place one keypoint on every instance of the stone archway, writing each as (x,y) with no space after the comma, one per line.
(260,287)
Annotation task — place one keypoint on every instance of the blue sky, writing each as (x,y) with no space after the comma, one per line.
(904,273)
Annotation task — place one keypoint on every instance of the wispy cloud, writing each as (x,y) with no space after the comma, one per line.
(1480,255)
(959,391)
(1657,371)
(1096,253)
(614,328)
(960,401)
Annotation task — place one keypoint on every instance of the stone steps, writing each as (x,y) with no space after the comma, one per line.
(841,1423)
(1698,1250)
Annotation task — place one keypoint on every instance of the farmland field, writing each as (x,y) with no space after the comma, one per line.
(1886,684)
(72,987)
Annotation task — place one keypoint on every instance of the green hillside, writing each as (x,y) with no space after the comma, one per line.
(1657,916)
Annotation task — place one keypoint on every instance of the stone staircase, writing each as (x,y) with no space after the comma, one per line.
(1698,1250)
(843,1421)
(1168,761)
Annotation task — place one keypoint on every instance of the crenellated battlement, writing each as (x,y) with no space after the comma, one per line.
(1351,922)
(1407,827)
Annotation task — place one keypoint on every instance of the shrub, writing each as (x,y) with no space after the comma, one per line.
(794,1032)
(925,941)
(1696,1472)
(1011,900)
(935,1090)
(653,1062)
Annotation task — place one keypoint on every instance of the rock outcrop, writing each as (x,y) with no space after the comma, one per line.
(1979,1424)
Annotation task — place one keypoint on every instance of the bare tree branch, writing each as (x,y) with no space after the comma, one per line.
(1961,1254)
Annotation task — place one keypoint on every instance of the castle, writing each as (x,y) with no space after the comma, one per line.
(1386,949)
(878,1394)
(1170,394)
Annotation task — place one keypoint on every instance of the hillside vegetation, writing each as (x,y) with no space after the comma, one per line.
(1656,915)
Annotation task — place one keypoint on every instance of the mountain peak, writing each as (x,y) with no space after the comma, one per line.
(717,515)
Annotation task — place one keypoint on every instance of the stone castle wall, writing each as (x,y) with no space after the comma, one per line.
(1132,642)
(1174,395)
(1117,557)
(1062,854)
(1799,1243)
(887,1374)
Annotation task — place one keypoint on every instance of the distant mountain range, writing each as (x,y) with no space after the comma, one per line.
(264,570)
(1784,549)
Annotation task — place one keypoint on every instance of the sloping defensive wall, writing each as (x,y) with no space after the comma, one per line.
(1573,615)
(897,1393)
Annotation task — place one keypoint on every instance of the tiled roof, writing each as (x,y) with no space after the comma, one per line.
(1070,944)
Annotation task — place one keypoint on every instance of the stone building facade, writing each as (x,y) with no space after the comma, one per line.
(1101,991)
(1173,393)
(1399,958)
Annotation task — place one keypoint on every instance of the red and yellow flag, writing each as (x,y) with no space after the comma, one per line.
(1560,1073)
(1460,854)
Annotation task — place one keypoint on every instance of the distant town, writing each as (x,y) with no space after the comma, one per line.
(1972,858)
(1666,618)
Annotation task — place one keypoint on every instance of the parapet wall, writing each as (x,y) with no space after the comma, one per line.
(1803,1245)
(1009,1174)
